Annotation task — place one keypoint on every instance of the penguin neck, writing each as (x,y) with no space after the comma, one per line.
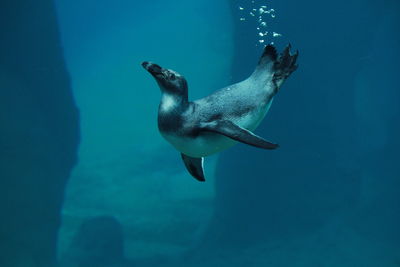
(173,102)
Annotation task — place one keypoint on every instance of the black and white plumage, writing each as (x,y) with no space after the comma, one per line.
(211,124)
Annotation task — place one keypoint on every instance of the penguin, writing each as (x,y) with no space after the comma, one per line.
(229,115)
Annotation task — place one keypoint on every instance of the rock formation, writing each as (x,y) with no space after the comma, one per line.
(39,132)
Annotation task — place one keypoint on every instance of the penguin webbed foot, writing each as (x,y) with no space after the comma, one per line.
(286,63)
(194,166)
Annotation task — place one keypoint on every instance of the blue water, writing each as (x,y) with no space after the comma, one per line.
(329,196)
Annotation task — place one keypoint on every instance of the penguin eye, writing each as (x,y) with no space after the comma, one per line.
(172,76)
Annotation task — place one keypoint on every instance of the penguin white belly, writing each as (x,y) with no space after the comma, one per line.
(203,145)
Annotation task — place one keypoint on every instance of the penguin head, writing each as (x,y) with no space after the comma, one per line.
(169,81)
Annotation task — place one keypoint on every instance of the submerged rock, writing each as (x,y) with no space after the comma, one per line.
(98,242)
(39,132)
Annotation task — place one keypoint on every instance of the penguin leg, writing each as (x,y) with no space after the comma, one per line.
(235,132)
(194,166)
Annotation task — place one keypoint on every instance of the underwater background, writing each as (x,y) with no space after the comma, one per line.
(86,180)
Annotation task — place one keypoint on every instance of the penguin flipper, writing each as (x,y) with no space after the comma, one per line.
(194,166)
(237,133)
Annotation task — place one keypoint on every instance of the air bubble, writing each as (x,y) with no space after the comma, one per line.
(258,11)
(275,34)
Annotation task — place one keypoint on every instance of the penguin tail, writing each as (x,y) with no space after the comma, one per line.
(267,60)
(269,56)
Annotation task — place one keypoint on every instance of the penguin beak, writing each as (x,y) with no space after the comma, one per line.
(154,69)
